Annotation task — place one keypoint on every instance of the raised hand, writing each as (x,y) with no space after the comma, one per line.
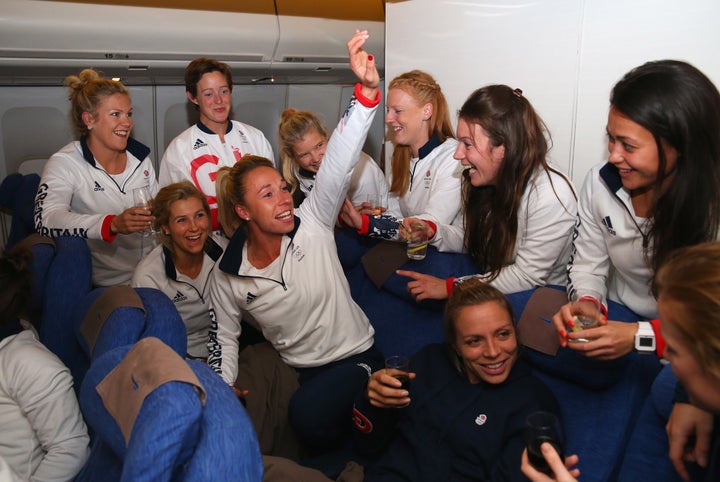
(363,65)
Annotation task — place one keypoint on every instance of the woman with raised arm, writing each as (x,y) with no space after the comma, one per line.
(87,187)
(281,271)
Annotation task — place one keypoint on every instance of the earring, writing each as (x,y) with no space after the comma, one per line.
(89,128)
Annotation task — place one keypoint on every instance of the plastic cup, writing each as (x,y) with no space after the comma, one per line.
(417,243)
(543,427)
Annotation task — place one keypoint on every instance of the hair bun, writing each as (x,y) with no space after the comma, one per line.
(288,112)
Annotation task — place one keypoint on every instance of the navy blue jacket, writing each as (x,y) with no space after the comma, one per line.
(452,430)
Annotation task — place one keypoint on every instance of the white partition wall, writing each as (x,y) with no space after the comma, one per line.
(564,54)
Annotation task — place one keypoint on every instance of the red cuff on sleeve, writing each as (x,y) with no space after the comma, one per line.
(365,226)
(364,100)
(432,225)
(105,229)
(449,285)
(659,340)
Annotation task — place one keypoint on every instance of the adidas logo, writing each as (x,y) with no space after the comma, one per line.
(98,187)
(179,297)
(198,144)
(250,298)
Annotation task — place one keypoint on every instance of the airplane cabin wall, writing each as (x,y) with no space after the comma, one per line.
(564,54)
(35,120)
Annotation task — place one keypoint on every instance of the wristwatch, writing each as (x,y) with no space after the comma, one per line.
(645,338)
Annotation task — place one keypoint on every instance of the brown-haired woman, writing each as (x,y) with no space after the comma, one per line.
(518,211)
(215,140)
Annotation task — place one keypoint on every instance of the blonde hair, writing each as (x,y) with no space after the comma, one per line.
(231,190)
(164,200)
(294,126)
(87,90)
(422,87)
(691,278)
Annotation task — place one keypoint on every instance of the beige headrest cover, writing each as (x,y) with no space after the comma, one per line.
(148,364)
(108,301)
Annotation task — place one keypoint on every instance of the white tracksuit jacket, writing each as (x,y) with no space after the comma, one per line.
(607,252)
(544,237)
(197,154)
(301,302)
(44,437)
(77,197)
(190,296)
(434,192)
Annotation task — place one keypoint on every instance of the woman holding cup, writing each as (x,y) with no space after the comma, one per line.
(86,188)
(688,288)
(424,178)
(518,211)
(422,432)
(657,192)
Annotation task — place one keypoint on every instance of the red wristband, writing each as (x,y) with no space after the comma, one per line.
(659,340)
(105,230)
(364,100)
(449,285)
(365,226)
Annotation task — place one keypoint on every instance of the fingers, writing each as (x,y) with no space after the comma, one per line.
(409,274)
(386,391)
(239,393)
(702,444)
(561,320)
(531,472)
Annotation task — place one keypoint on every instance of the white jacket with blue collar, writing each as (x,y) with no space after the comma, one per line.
(301,302)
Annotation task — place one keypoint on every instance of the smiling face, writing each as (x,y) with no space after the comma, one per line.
(268,204)
(476,153)
(407,119)
(309,151)
(486,341)
(634,152)
(214,100)
(188,226)
(110,124)
(703,387)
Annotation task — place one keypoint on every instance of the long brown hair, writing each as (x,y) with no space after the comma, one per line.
(422,87)
(680,106)
(491,212)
